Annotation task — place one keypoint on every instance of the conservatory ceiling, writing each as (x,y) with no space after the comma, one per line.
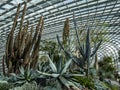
(99,15)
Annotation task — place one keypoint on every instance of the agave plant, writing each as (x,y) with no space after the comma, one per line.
(84,49)
(26,75)
(61,73)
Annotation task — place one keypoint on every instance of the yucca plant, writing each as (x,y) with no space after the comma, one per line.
(24,48)
(60,73)
(84,49)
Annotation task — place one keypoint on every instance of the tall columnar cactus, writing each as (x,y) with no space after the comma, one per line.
(85,50)
(24,48)
(66,31)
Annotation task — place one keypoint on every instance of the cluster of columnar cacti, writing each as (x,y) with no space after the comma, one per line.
(24,48)
(66,31)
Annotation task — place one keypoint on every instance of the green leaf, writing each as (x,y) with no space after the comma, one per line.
(68,84)
(64,82)
(88,44)
(22,71)
(80,47)
(66,66)
(20,82)
(52,65)
(13,74)
(47,74)
(75,75)
(28,72)
(59,64)
(61,46)
(97,47)
(58,85)
(20,77)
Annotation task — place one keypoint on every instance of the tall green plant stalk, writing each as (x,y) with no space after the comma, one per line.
(24,48)
(66,31)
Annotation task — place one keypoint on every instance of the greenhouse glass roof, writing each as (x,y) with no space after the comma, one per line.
(99,15)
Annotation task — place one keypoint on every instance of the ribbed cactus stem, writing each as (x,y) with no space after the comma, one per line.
(15,20)
(23,15)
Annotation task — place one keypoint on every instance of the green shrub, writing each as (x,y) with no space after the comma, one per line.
(112,87)
(5,86)
(27,86)
(99,85)
(86,81)
(106,68)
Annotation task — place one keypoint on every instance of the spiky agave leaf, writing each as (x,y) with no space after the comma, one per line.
(66,52)
(75,59)
(54,75)
(59,64)
(52,65)
(22,71)
(68,84)
(80,47)
(87,51)
(67,64)
(97,47)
